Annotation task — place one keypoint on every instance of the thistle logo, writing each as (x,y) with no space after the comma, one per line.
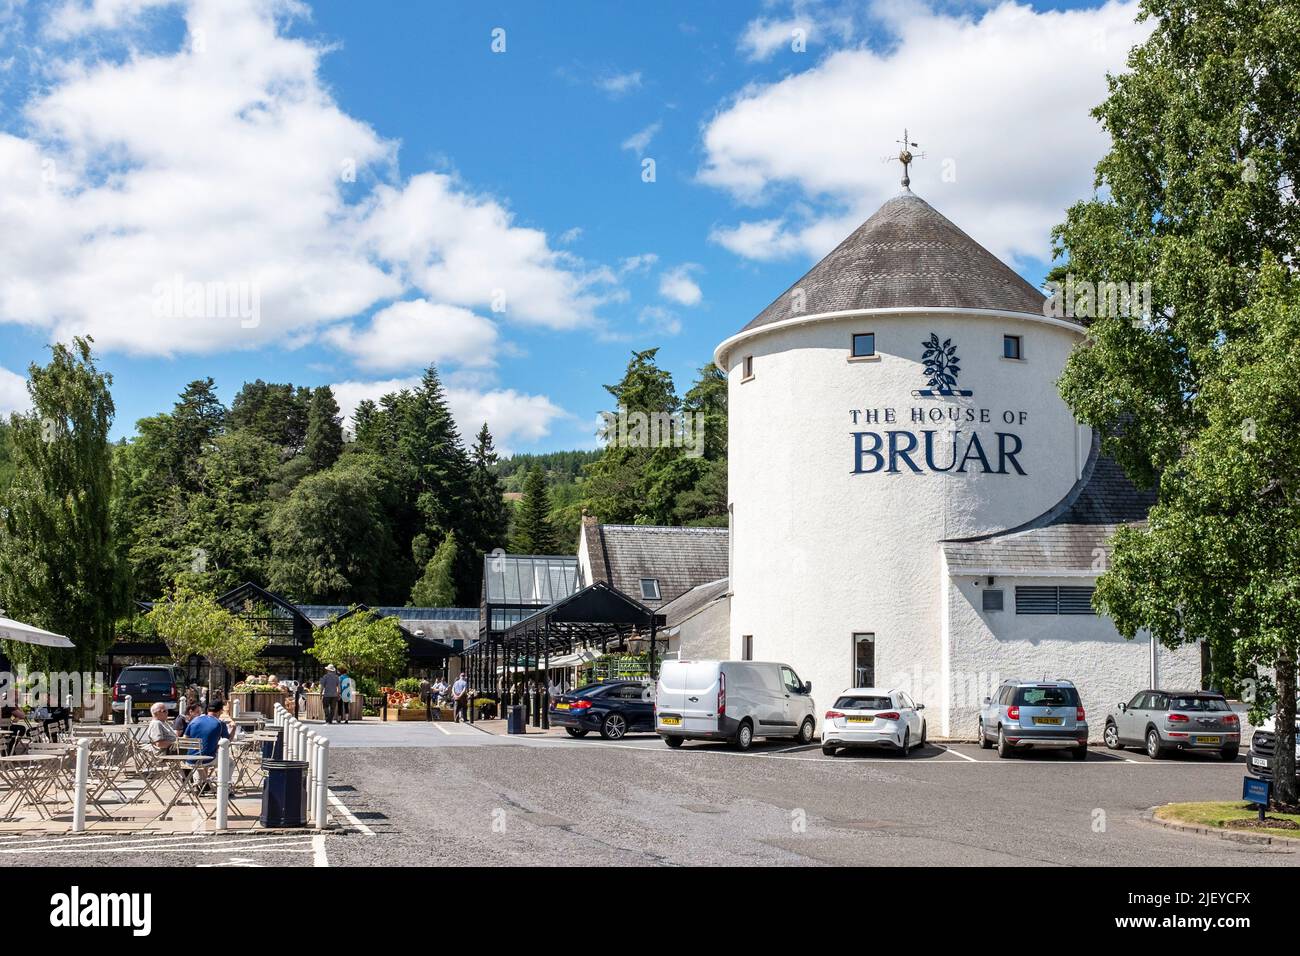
(941,367)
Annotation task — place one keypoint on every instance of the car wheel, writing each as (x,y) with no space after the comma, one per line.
(1154,750)
(1004,748)
(985,743)
(1111,736)
(907,743)
(613,727)
(828,751)
(806,731)
(1080,753)
(575,732)
(1229,753)
(673,742)
(744,735)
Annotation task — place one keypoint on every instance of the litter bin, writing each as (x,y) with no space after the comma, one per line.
(274,749)
(284,793)
(515,723)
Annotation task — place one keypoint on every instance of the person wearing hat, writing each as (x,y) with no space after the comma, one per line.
(329,692)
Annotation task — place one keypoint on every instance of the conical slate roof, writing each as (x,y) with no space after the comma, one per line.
(907,255)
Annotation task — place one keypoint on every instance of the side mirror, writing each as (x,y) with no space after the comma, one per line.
(920,706)
(807,687)
(988,700)
(1122,707)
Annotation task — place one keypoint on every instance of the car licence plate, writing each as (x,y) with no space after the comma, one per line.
(1258,762)
(561,706)
(1209,740)
(670,721)
(1047,720)
(861,720)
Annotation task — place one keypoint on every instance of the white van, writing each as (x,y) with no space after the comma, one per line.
(732,700)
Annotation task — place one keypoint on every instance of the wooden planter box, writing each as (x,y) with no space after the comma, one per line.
(261,701)
(411,713)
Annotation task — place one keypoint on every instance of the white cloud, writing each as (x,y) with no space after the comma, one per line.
(998,99)
(660,320)
(74,17)
(13,392)
(639,141)
(511,416)
(233,164)
(763,37)
(619,84)
(676,285)
(415,333)
(637,263)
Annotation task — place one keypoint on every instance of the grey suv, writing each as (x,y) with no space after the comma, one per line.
(1034,714)
(1162,721)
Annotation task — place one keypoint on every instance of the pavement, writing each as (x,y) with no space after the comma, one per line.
(416,793)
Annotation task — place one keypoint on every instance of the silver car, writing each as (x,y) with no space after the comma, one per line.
(1161,722)
(1037,714)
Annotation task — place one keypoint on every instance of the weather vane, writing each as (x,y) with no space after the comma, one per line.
(905,156)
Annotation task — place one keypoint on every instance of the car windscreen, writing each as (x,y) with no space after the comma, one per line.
(1047,697)
(146,675)
(863,703)
(1197,703)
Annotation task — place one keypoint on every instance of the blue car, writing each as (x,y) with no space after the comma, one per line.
(612,709)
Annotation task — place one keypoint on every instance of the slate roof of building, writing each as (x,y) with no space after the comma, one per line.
(444,624)
(679,558)
(691,602)
(907,255)
(1071,536)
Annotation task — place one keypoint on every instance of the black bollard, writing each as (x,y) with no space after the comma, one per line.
(546,709)
(470,698)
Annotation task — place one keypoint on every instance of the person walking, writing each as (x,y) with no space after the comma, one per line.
(426,698)
(329,692)
(460,696)
(346,686)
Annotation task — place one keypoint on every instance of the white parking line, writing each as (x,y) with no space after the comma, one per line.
(958,753)
(338,804)
(318,850)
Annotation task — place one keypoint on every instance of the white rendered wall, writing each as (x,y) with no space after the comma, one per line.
(819,552)
(988,647)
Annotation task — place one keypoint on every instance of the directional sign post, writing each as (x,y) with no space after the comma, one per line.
(1256,791)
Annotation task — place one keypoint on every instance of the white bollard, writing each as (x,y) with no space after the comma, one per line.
(223,783)
(83,782)
(310,757)
(302,741)
(129,716)
(234,708)
(322,781)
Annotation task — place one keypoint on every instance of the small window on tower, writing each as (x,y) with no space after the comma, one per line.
(991,599)
(1012,347)
(864,345)
(747,368)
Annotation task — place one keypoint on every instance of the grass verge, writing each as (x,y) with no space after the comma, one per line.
(1232,815)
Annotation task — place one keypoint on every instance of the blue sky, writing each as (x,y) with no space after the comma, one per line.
(498,221)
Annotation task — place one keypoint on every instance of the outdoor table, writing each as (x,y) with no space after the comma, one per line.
(29,776)
(183,774)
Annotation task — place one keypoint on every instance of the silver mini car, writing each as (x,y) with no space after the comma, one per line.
(1038,714)
(1161,721)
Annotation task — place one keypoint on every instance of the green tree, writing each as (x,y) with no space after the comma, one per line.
(6,457)
(532,532)
(363,642)
(1195,196)
(59,566)
(437,587)
(275,413)
(324,429)
(617,482)
(330,541)
(190,621)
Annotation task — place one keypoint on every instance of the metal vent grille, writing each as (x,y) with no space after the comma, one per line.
(1036,599)
(992,599)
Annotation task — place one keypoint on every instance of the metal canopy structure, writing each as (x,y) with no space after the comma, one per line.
(598,616)
(516,586)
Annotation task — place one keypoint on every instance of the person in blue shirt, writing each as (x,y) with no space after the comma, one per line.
(209,729)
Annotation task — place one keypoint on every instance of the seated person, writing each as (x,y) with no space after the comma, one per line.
(188,712)
(160,734)
(209,730)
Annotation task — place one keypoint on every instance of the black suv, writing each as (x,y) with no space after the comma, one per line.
(1263,747)
(146,685)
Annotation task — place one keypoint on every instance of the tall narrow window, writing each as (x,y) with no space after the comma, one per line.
(747,647)
(864,660)
(747,368)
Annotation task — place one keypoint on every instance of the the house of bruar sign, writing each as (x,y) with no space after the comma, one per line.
(954,442)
